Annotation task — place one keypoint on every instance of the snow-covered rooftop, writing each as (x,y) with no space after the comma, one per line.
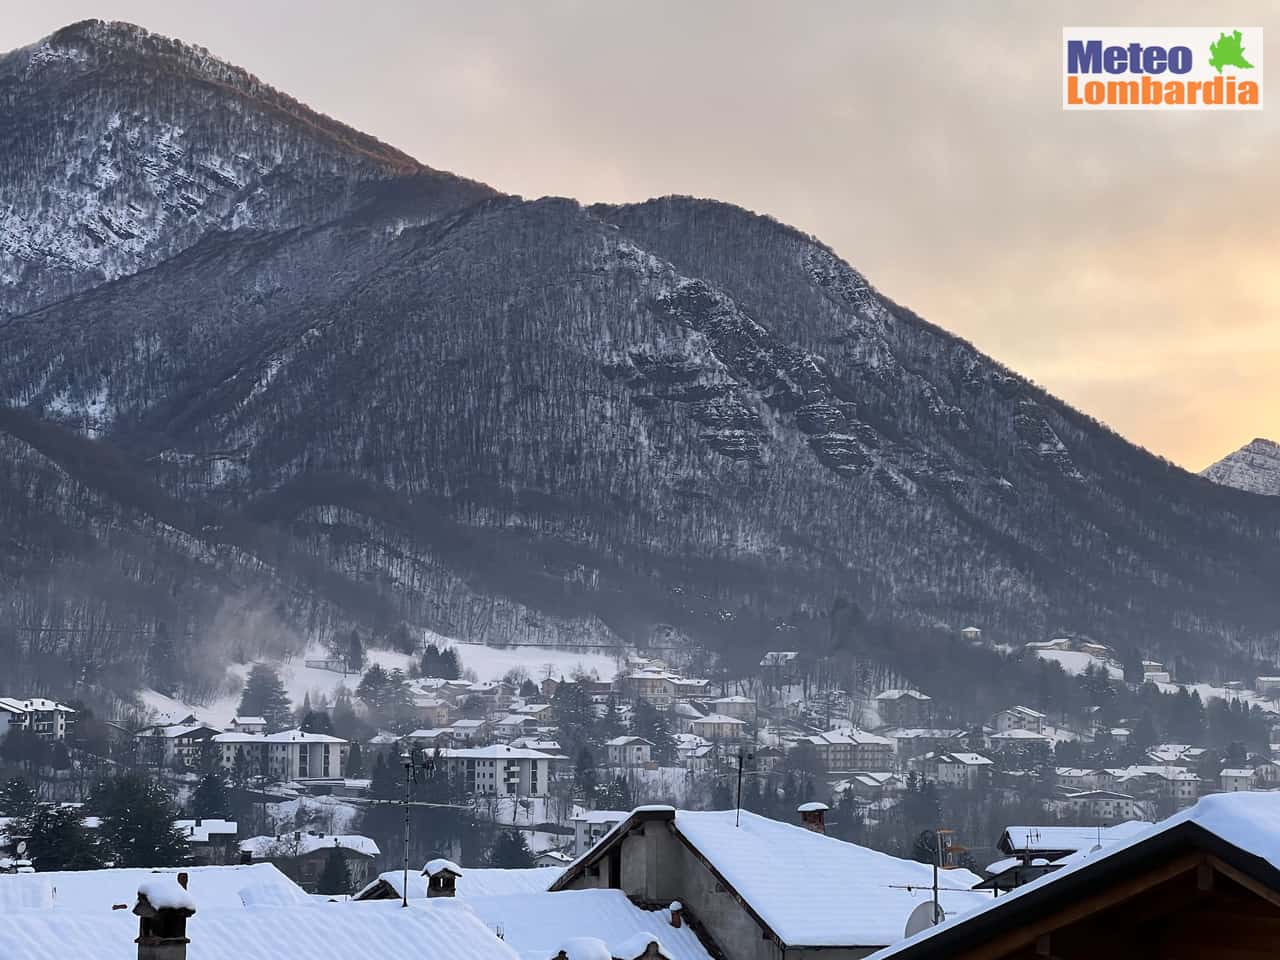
(1068,838)
(815,890)
(198,831)
(290,845)
(536,925)
(97,891)
(478,881)
(1248,820)
(439,930)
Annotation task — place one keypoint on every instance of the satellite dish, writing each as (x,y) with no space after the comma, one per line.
(22,847)
(924,916)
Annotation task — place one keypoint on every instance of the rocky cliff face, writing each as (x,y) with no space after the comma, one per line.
(1255,467)
(392,394)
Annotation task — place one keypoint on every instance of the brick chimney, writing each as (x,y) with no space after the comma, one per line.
(813,816)
(442,878)
(677,913)
(162,910)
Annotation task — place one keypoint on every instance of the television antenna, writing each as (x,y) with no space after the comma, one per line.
(413,760)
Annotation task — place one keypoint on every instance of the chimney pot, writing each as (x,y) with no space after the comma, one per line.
(677,913)
(813,816)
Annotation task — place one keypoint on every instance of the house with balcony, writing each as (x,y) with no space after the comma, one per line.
(45,718)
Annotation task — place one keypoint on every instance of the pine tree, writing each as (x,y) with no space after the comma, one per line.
(510,850)
(335,879)
(264,696)
(17,799)
(162,662)
(59,841)
(137,822)
(385,783)
(355,652)
(652,724)
(450,665)
(355,762)
(317,721)
(210,799)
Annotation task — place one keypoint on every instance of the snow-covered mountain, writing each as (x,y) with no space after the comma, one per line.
(1255,467)
(267,377)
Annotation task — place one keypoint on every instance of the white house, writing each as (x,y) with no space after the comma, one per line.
(45,718)
(501,770)
(590,826)
(629,751)
(1234,779)
(1018,718)
(288,755)
(962,770)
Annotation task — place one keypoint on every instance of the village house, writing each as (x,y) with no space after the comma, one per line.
(429,740)
(590,826)
(910,742)
(433,711)
(740,708)
(903,708)
(1234,779)
(47,719)
(715,726)
(758,889)
(170,745)
(1175,784)
(683,714)
(247,725)
(1018,718)
(1203,883)
(629,752)
(499,769)
(1078,779)
(211,841)
(302,856)
(851,749)
(1100,805)
(513,726)
(965,771)
(870,785)
(287,755)
(470,731)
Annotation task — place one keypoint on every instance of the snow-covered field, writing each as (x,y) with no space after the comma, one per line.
(487,663)
(1075,662)
(1208,691)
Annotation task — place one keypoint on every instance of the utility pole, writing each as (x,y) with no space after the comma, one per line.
(411,767)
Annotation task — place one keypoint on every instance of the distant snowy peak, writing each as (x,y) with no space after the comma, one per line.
(1255,467)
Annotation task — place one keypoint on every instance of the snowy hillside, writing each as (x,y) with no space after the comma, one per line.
(1255,467)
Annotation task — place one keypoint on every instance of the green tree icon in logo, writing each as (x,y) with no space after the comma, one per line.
(1228,51)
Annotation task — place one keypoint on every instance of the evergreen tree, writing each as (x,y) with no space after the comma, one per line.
(386,781)
(401,639)
(162,662)
(355,652)
(210,799)
(137,822)
(510,850)
(17,799)
(528,689)
(355,762)
(317,721)
(335,879)
(264,696)
(58,840)
(652,724)
(450,665)
(584,773)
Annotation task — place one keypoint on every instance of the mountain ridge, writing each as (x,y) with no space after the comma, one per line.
(673,421)
(1254,468)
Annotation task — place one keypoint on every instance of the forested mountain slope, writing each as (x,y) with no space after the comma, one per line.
(402,396)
